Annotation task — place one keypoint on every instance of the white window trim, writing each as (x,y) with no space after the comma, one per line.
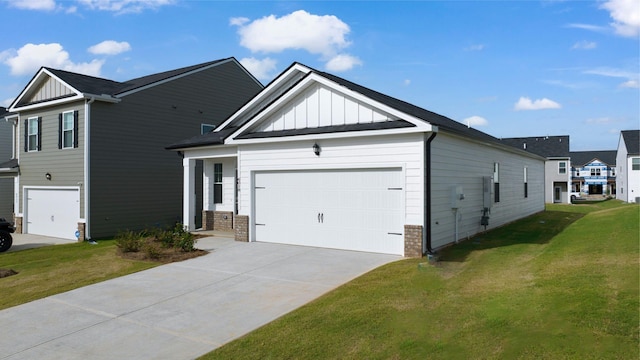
(29,134)
(562,167)
(73,130)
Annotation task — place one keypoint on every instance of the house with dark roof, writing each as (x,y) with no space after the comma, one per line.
(628,164)
(317,160)
(593,173)
(89,157)
(557,179)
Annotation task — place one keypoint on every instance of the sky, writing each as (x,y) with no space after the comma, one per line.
(508,68)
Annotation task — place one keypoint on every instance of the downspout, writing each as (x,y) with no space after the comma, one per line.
(426,234)
(87,198)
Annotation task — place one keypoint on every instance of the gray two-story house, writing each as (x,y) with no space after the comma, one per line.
(7,167)
(90,151)
(557,169)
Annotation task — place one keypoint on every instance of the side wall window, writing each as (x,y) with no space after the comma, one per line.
(526,190)
(496,182)
(217,183)
(68,130)
(635,163)
(562,167)
(32,134)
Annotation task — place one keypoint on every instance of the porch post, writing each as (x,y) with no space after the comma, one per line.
(189,194)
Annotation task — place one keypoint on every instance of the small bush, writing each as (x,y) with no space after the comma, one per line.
(152,250)
(130,241)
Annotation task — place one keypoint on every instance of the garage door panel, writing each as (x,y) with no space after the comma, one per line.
(346,209)
(52,212)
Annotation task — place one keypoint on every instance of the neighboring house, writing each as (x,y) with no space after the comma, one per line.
(593,172)
(317,160)
(91,151)
(8,168)
(557,179)
(628,162)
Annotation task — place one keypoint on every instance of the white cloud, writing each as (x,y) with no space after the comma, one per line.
(323,35)
(630,84)
(625,15)
(476,47)
(525,103)
(261,69)
(110,47)
(342,62)
(475,121)
(594,28)
(584,45)
(29,58)
(631,77)
(600,121)
(46,5)
(125,6)
(407,82)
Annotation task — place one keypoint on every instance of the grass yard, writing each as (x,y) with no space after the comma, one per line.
(54,269)
(563,284)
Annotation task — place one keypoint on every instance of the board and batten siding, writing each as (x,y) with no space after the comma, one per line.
(6,184)
(66,166)
(50,89)
(135,182)
(459,162)
(376,152)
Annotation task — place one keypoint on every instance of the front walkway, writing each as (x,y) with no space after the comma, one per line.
(180,310)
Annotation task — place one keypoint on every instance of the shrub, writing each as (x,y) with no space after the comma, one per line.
(183,239)
(152,250)
(130,241)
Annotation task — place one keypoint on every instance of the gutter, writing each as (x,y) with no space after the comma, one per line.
(426,235)
(87,198)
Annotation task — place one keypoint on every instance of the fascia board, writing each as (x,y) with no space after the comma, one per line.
(164,81)
(315,78)
(104,98)
(338,135)
(265,92)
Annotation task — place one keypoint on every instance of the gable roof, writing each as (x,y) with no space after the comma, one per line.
(547,146)
(90,85)
(581,158)
(631,141)
(419,114)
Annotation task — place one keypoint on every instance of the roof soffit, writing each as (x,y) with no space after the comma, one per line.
(308,83)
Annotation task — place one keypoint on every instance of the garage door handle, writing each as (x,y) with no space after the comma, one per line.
(392,233)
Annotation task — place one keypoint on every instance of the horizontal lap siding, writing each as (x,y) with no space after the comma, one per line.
(457,162)
(66,166)
(370,152)
(135,182)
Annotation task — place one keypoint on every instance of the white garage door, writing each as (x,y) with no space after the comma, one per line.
(343,209)
(53,212)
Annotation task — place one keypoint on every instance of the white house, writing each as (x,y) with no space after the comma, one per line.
(628,163)
(593,172)
(317,160)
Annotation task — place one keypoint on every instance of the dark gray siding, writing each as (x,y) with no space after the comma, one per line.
(66,166)
(6,184)
(135,182)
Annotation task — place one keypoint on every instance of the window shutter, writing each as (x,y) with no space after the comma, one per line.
(39,133)
(75,128)
(60,134)
(26,135)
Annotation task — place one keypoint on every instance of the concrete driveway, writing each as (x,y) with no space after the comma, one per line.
(181,310)
(30,241)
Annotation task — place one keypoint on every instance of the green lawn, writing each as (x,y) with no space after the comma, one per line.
(563,284)
(54,269)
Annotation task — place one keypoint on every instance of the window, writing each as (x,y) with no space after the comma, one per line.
(33,127)
(67,130)
(496,182)
(635,163)
(526,190)
(562,167)
(595,171)
(613,171)
(217,183)
(206,128)
(577,172)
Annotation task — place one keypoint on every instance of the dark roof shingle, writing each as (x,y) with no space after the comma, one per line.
(632,141)
(547,146)
(580,158)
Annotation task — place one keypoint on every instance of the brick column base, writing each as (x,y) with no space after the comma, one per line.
(17,222)
(207,220)
(413,241)
(223,220)
(242,228)
(81,229)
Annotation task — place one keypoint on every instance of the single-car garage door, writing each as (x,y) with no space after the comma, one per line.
(52,212)
(359,210)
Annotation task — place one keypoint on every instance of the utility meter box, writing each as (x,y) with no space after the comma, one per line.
(457,195)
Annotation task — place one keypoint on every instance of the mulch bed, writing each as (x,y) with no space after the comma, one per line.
(165,255)
(7,272)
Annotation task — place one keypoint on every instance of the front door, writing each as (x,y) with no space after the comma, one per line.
(557,194)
